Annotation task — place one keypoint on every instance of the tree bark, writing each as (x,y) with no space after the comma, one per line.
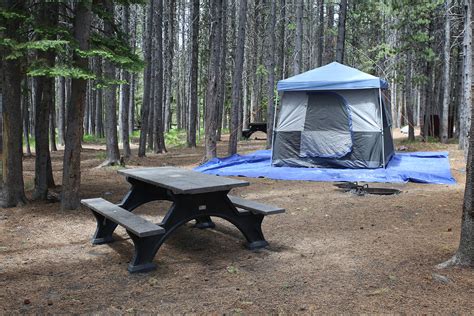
(44,103)
(410,104)
(222,80)
(465,108)
(145,111)
(125,95)
(72,152)
(341,32)
(26,117)
(158,131)
(237,80)
(298,38)
(271,72)
(12,187)
(193,97)
(110,98)
(465,253)
(446,74)
(321,33)
(213,77)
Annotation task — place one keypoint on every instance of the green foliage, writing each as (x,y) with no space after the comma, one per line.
(175,137)
(59,40)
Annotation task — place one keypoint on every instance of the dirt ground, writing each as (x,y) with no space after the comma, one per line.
(331,252)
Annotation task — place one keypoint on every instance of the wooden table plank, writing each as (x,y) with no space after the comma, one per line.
(182,181)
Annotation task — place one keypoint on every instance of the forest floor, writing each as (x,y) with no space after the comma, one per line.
(331,252)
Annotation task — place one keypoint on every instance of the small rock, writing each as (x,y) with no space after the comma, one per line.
(108,193)
(361,227)
(440,278)
(450,229)
(50,302)
(26,301)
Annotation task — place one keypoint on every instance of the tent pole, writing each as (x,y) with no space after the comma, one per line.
(274,123)
(381,122)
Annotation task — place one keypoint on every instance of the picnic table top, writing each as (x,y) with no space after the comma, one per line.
(182,181)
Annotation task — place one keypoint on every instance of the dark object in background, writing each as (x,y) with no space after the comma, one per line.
(362,190)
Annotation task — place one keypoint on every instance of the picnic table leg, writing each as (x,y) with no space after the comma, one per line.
(201,207)
(139,194)
(104,230)
(204,222)
(145,251)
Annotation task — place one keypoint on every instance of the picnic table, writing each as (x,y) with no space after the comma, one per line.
(254,127)
(194,196)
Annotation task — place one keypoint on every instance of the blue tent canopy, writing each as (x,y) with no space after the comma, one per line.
(333,76)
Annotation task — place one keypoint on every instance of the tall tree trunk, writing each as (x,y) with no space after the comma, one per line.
(52,128)
(321,33)
(341,32)
(110,98)
(271,72)
(410,104)
(222,80)
(145,111)
(158,132)
(329,38)
(26,117)
(61,109)
(12,188)
(193,97)
(446,74)
(48,13)
(236,108)
(72,152)
(298,38)
(465,108)
(213,77)
(465,253)
(125,95)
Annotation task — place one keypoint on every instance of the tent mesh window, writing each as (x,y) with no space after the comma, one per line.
(327,129)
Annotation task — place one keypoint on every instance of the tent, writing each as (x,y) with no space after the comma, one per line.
(333,116)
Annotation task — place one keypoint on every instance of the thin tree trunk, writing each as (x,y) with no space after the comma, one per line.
(321,33)
(298,38)
(271,72)
(125,95)
(26,117)
(193,97)
(236,108)
(341,32)
(446,74)
(410,104)
(110,99)
(213,77)
(72,152)
(465,107)
(158,131)
(61,109)
(145,112)
(222,81)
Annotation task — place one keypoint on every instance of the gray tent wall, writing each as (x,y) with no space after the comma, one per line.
(340,128)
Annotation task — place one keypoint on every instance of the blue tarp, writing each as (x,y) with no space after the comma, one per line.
(333,76)
(422,167)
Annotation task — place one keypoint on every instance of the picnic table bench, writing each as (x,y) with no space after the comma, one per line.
(254,127)
(194,196)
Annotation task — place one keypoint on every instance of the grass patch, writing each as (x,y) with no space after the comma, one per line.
(175,138)
(93,139)
(431,144)
(101,155)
